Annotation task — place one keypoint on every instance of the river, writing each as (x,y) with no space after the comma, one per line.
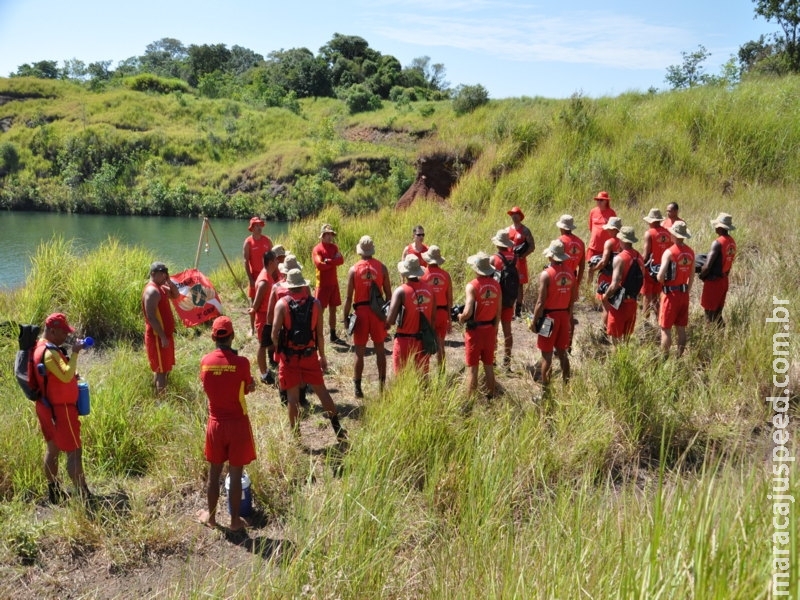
(173,240)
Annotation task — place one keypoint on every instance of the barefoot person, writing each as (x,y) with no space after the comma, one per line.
(229,438)
(253,250)
(159,333)
(327,259)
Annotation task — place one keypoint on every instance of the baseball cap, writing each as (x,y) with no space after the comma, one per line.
(58,321)
(222,327)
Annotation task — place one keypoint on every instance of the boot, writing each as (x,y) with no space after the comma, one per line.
(357,386)
(341,432)
(55,495)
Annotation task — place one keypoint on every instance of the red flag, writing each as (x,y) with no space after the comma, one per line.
(198,301)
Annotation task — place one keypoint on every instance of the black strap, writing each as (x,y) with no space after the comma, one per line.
(417,336)
(301,352)
(441,307)
(675,288)
(365,303)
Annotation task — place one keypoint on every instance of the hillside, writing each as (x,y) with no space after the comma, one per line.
(641,478)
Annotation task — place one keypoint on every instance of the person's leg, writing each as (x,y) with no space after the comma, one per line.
(293,397)
(491,385)
(75,471)
(681,342)
(234,496)
(51,462)
(332,320)
(209,516)
(380,358)
(666,340)
(547,364)
(358,370)
(520,298)
(261,359)
(472,379)
(508,340)
(327,403)
(160,383)
(563,358)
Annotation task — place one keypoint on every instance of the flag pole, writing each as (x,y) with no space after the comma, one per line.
(200,241)
(207,223)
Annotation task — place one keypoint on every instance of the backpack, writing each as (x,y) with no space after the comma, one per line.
(301,333)
(633,280)
(376,301)
(508,278)
(24,369)
(427,333)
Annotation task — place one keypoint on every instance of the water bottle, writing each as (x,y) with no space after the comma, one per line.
(87,342)
(246,501)
(83,398)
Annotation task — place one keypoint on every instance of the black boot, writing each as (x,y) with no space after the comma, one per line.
(304,403)
(357,386)
(55,495)
(341,432)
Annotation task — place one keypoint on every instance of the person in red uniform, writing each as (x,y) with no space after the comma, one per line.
(327,258)
(226,379)
(56,409)
(611,248)
(598,217)
(442,286)
(622,320)
(674,309)
(410,299)
(555,303)
(522,238)
(303,365)
(576,250)
(360,277)
(159,333)
(714,273)
(505,251)
(481,314)
(255,245)
(416,247)
(258,306)
(656,240)
(672,215)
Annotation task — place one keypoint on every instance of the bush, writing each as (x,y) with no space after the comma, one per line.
(147,82)
(359,99)
(469,97)
(9,159)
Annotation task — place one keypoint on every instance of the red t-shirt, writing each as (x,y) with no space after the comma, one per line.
(597,235)
(559,291)
(660,240)
(575,249)
(326,258)
(225,377)
(488,297)
(258,248)
(411,250)
(683,257)
(366,271)
(163,312)
(439,281)
(417,298)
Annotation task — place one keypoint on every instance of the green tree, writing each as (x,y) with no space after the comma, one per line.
(44,69)
(345,56)
(9,159)
(242,60)
(469,97)
(786,13)
(165,57)
(432,74)
(299,71)
(691,72)
(74,69)
(206,59)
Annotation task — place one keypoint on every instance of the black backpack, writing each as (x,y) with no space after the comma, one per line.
(430,345)
(376,301)
(24,369)
(508,278)
(301,333)
(633,280)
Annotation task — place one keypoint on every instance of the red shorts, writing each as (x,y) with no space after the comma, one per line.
(328,295)
(251,290)
(260,320)
(601,277)
(506,314)
(406,348)
(714,294)
(559,337)
(479,345)
(674,310)
(442,324)
(522,269)
(650,287)
(231,441)
(297,370)
(66,432)
(161,359)
(368,326)
(622,320)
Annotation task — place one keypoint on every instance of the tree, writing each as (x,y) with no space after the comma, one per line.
(786,13)
(469,97)
(74,69)
(691,72)
(298,70)
(44,69)
(206,59)
(346,56)
(432,74)
(242,60)
(165,57)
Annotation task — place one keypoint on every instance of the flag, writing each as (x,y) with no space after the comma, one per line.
(198,301)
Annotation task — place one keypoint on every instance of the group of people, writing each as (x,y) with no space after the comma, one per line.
(288,320)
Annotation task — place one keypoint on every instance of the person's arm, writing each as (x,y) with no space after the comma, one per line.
(394,307)
(261,291)
(691,280)
(531,243)
(338,259)
(387,284)
(666,258)
(581,270)
(61,369)
(648,245)
(323,361)
(469,304)
(405,252)
(277,324)
(705,271)
(348,297)
(246,255)
(249,382)
(606,256)
(538,310)
(616,279)
(151,298)
(449,295)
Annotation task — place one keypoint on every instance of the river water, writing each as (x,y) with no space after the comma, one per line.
(173,240)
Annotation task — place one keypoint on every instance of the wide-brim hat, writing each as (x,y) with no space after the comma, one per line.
(627,234)
(654,216)
(613,223)
(516,210)
(679,230)
(289,263)
(724,220)
(410,267)
(433,256)
(556,251)
(566,222)
(222,327)
(295,279)
(481,263)
(58,321)
(603,196)
(279,251)
(365,246)
(326,229)
(256,221)
(502,239)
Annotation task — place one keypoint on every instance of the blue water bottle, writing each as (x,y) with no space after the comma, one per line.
(83,398)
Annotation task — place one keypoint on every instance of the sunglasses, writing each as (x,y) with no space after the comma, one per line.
(419,234)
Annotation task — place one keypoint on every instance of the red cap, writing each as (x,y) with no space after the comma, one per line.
(58,321)
(602,196)
(255,221)
(516,211)
(222,327)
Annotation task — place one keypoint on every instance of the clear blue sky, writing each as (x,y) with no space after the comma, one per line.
(513,48)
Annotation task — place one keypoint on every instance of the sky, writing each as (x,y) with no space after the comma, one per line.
(512,48)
